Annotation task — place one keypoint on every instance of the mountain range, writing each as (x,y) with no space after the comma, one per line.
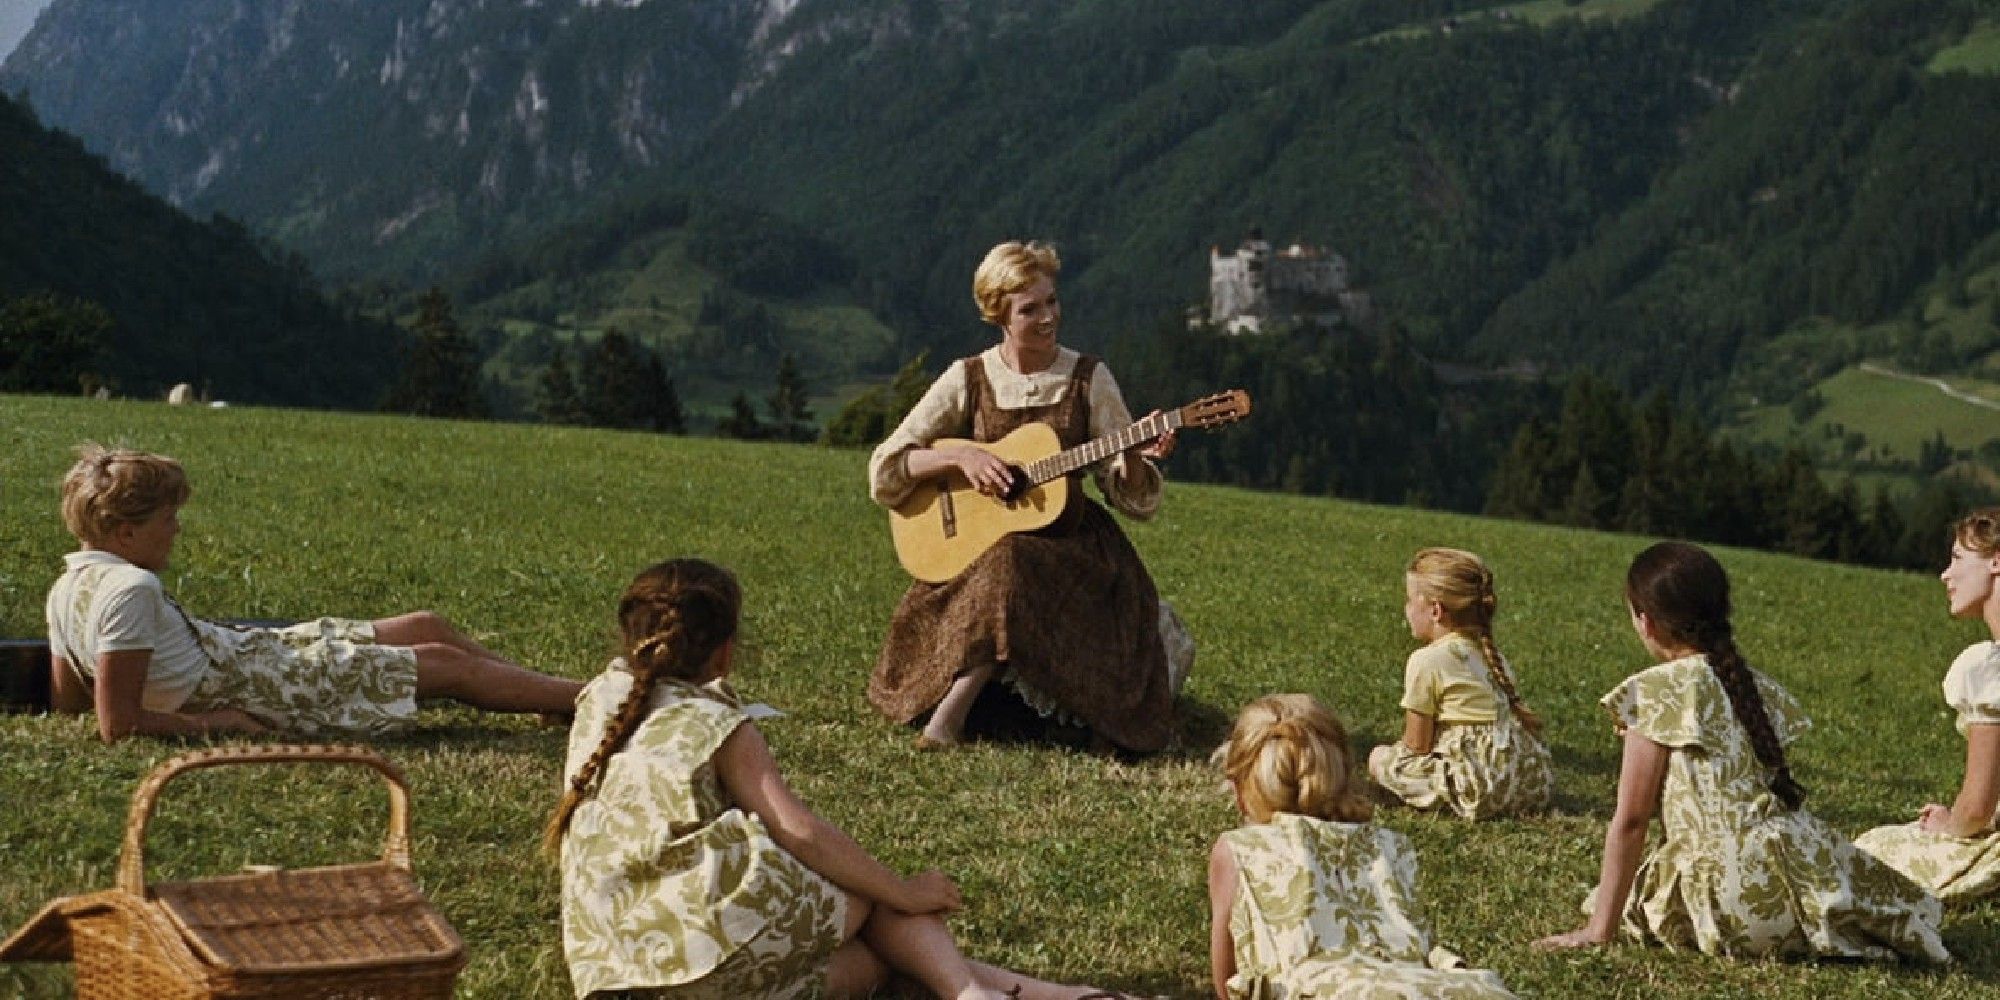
(1664,190)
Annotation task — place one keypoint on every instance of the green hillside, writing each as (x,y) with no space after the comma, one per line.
(723,292)
(1894,414)
(1072,866)
(199,302)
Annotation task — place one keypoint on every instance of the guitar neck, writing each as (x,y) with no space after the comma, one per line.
(1096,450)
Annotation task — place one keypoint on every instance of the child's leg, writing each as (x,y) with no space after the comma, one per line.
(920,946)
(1004,980)
(496,685)
(855,970)
(451,664)
(420,627)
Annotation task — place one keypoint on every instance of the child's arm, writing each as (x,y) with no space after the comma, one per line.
(1221,899)
(1419,731)
(1972,813)
(1641,774)
(67,692)
(121,681)
(750,776)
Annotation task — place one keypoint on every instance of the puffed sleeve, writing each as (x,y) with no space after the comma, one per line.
(1137,494)
(1680,704)
(1420,685)
(940,413)
(1972,688)
(1660,703)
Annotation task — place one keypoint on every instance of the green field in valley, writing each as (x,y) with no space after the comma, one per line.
(1073,866)
(1979,52)
(1896,413)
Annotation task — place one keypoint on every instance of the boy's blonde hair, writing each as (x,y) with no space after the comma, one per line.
(1461,584)
(1009,268)
(1287,753)
(108,487)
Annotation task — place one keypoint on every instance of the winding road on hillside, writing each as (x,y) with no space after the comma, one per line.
(1959,394)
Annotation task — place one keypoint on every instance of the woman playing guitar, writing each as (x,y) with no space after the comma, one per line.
(1065,618)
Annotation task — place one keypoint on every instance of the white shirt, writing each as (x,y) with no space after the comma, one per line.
(103,604)
(945,411)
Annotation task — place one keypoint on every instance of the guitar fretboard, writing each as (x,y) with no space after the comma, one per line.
(1091,452)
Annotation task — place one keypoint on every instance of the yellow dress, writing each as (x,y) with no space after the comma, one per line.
(1957,869)
(1738,874)
(1328,910)
(1483,763)
(668,889)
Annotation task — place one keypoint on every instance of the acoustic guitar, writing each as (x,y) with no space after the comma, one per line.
(945,524)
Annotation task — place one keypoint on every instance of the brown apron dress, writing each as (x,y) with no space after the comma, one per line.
(1068,610)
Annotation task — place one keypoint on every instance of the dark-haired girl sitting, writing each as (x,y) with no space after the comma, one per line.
(689,869)
(1744,870)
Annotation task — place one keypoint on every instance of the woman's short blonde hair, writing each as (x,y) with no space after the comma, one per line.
(108,487)
(1009,268)
(1288,753)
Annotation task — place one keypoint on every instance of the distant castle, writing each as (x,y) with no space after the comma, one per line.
(1254,285)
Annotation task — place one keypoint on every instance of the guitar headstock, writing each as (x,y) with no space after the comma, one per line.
(1214,411)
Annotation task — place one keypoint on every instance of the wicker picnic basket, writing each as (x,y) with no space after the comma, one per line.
(342,932)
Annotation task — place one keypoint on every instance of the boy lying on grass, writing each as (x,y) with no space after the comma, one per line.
(121,646)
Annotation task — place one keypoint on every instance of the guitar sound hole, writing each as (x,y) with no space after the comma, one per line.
(1017,486)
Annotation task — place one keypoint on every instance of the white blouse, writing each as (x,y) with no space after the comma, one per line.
(944,410)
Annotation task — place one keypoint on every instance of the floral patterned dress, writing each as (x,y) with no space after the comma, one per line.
(1958,869)
(668,890)
(1478,770)
(1328,910)
(1739,874)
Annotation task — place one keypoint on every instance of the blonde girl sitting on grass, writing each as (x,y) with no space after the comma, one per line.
(1954,850)
(1469,743)
(1307,898)
(689,868)
(1744,871)
(123,648)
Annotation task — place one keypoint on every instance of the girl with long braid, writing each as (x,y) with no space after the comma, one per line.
(689,868)
(1954,850)
(1744,870)
(1469,743)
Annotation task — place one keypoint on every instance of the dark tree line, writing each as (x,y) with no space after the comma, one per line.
(1654,469)
(790,411)
(615,383)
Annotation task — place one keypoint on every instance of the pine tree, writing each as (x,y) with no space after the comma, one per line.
(791,414)
(742,421)
(612,383)
(50,344)
(440,376)
(1884,530)
(1585,505)
(556,399)
(1521,480)
(663,410)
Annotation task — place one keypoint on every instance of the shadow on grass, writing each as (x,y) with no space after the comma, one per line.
(1199,729)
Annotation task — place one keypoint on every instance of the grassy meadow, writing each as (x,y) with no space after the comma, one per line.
(1073,866)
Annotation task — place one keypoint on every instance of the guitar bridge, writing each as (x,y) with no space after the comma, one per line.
(949,511)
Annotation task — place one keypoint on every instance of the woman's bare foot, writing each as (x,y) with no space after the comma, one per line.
(927,741)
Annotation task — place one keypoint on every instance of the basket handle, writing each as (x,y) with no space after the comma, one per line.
(132,856)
